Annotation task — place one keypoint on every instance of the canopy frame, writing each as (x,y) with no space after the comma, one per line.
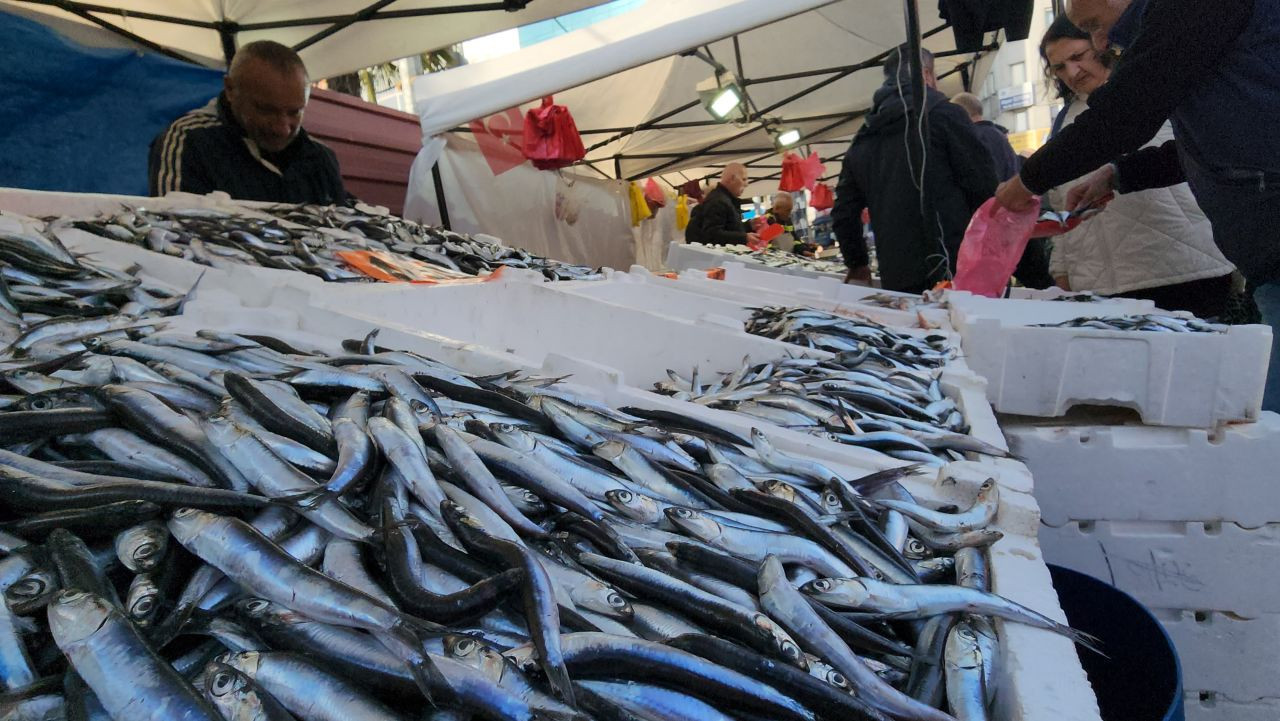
(228,29)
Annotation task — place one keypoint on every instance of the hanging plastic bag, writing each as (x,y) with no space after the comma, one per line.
(639,208)
(693,189)
(992,247)
(811,168)
(682,212)
(792,174)
(653,196)
(568,204)
(823,198)
(551,138)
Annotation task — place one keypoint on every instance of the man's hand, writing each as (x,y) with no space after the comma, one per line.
(1012,194)
(754,242)
(859,276)
(1094,189)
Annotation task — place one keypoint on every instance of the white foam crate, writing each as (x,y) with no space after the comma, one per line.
(1227,654)
(1170,379)
(1147,473)
(685,256)
(1207,566)
(693,295)
(1216,708)
(1041,677)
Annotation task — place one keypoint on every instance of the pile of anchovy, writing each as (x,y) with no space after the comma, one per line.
(1150,323)
(782,259)
(859,399)
(309,238)
(814,328)
(223,526)
(46,292)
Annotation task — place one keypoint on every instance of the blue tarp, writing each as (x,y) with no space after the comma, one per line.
(75,118)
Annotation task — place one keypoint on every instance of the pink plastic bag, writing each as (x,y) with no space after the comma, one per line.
(992,247)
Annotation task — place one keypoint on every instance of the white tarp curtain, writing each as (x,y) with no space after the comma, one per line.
(359,45)
(559,215)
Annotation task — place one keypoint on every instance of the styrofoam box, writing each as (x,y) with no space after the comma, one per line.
(692,295)
(1170,379)
(1145,473)
(685,256)
(1040,674)
(1229,655)
(1207,566)
(1210,707)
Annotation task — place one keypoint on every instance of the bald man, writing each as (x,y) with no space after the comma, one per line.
(249,141)
(717,220)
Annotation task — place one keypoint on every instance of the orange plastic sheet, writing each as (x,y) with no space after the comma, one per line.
(393,268)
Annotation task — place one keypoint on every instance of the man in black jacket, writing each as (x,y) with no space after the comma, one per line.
(918,231)
(1211,68)
(249,141)
(717,220)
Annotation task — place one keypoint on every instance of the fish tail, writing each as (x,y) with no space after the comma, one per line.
(558,678)
(1089,641)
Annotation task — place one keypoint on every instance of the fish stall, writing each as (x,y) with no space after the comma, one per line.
(273,490)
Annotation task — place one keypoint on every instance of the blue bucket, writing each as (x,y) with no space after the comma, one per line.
(1142,678)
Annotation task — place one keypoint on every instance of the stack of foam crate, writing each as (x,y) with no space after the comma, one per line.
(1188,522)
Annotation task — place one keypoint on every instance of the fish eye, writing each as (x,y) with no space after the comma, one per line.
(822,584)
(617,601)
(145,549)
(28,587)
(143,606)
(464,647)
(72,596)
(624,496)
(791,651)
(256,605)
(682,512)
(184,512)
(223,682)
(837,679)
(41,404)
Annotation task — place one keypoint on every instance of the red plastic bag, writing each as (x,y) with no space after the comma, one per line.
(992,247)
(692,189)
(811,168)
(551,138)
(792,173)
(654,196)
(823,198)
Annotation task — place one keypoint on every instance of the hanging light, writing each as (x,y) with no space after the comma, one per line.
(722,98)
(787,138)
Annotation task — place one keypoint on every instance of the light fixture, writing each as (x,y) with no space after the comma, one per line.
(722,98)
(787,138)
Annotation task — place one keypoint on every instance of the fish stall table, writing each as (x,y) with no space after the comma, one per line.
(695,256)
(484,330)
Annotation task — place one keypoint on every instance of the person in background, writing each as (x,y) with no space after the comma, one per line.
(1211,68)
(249,141)
(780,214)
(1033,266)
(717,220)
(1155,244)
(994,137)
(918,230)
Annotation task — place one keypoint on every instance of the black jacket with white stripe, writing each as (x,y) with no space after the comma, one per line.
(207,150)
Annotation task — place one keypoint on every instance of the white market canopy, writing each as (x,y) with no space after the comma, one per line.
(811,65)
(333,36)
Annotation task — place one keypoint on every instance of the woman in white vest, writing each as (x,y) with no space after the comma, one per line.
(1155,244)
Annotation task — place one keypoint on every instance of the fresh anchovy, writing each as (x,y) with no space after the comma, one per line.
(966,692)
(125,673)
(1150,323)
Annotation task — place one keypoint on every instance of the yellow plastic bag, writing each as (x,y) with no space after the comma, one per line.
(639,209)
(682,212)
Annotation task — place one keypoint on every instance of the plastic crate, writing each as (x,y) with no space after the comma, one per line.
(1226,654)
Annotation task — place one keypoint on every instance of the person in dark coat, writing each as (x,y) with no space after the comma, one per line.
(1033,267)
(917,233)
(249,141)
(717,220)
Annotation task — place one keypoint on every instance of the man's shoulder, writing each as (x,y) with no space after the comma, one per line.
(203,121)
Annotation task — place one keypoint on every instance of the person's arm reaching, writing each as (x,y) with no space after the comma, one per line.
(1181,41)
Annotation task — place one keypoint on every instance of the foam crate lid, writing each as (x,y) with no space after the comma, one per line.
(1145,473)
(1236,657)
(1218,567)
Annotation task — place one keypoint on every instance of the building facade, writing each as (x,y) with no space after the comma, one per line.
(1016,92)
